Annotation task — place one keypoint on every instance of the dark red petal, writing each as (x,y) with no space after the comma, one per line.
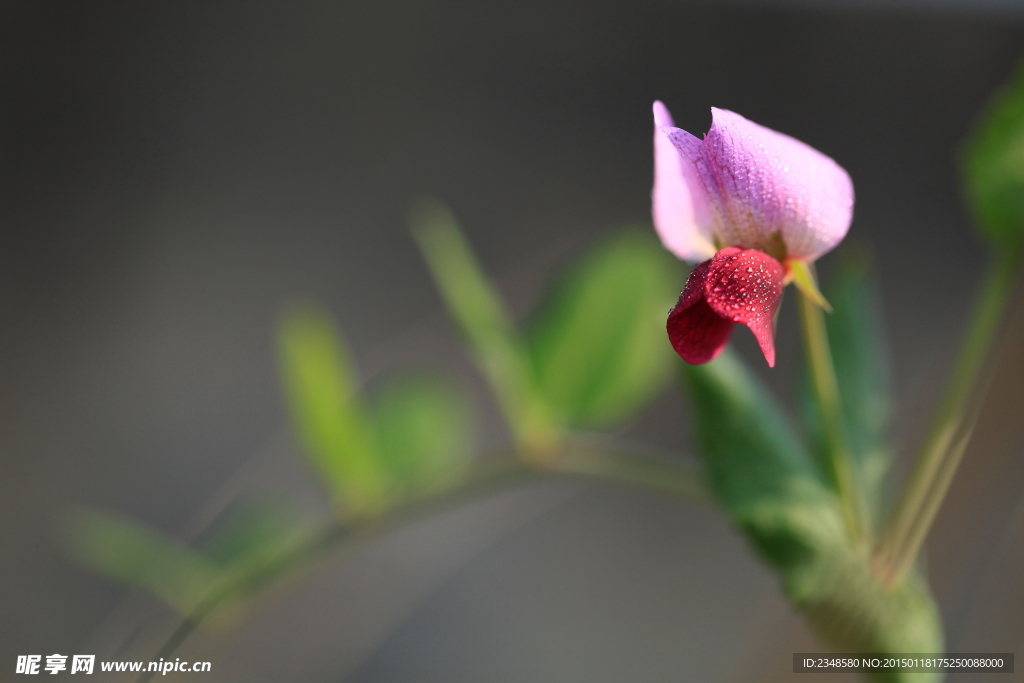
(745,286)
(697,333)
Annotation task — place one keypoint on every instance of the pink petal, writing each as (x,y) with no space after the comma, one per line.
(697,333)
(745,286)
(678,200)
(762,183)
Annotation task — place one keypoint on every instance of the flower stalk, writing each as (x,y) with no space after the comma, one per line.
(838,460)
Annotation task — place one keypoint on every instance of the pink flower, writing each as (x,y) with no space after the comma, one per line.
(753,208)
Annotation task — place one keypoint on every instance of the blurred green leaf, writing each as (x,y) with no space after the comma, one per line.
(424,431)
(479,311)
(767,482)
(756,466)
(250,530)
(993,167)
(132,553)
(861,359)
(327,412)
(599,345)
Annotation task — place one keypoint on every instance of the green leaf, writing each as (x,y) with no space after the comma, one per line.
(250,530)
(127,551)
(424,432)
(993,167)
(599,346)
(861,359)
(750,451)
(479,311)
(768,484)
(327,412)
(755,464)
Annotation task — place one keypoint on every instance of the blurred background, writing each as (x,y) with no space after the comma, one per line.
(172,174)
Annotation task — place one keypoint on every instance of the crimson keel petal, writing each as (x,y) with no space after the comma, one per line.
(745,286)
(697,333)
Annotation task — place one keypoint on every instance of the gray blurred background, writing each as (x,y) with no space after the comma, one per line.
(171,174)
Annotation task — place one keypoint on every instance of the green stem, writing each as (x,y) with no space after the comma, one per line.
(907,553)
(947,439)
(588,458)
(242,583)
(611,460)
(330,536)
(839,462)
